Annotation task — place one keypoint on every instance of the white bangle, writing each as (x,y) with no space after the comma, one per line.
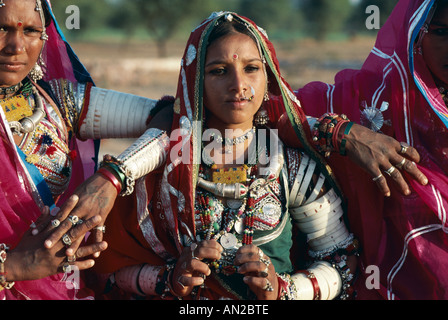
(305,289)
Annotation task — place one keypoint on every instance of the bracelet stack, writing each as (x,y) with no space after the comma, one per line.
(326,131)
(146,280)
(145,155)
(3,255)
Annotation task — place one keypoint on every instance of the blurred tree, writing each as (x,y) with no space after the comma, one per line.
(93,15)
(272,15)
(162,18)
(325,16)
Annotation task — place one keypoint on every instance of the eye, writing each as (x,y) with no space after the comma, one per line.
(252,68)
(218,71)
(439,31)
(32,31)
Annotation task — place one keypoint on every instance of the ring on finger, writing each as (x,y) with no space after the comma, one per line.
(180,282)
(55,223)
(67,267)
(404,148)
(101,228)
(66,240)
(192,248)
(390,171)
(377,177)
(75,220)
(401,164)
(268,287)
(71,259)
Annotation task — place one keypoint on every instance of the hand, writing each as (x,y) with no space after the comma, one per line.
(259,272)
(96,197)
(33,259)
(383,157)
(190,270)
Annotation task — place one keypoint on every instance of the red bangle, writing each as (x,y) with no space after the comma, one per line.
(111,177)
(314,282)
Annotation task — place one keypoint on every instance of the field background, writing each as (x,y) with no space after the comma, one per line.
(134,67)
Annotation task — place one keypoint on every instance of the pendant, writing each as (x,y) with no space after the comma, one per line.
(239,225)
(228,241)
(234,204)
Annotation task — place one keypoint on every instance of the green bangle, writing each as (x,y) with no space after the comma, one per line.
(342,150)
(118,172)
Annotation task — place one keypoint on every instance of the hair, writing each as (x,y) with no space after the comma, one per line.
(227,27)
(47,13)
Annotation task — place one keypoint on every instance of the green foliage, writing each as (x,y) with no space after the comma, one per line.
(162,20)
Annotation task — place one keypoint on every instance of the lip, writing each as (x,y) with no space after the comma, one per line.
(237,102)
(11,66)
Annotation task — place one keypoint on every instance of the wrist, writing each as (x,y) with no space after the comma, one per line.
(6,279)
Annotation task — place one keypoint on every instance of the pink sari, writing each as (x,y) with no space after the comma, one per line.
(20,202)
(404,239)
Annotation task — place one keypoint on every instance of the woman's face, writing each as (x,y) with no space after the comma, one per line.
(20,43)
(435,46)
(234,70)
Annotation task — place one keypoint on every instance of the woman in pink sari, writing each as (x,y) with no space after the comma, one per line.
(400,92)
(51,117)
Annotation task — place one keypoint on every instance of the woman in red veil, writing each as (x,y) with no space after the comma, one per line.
(400,92)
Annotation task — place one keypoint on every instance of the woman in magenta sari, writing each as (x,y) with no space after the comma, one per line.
(400,91)
(51,116)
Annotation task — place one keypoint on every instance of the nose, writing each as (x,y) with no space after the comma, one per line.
(238,82)
(14,43)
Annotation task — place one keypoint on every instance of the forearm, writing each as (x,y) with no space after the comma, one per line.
(111,114)
(142,157)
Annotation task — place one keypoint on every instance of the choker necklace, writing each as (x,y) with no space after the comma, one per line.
(234,141)
(10,90)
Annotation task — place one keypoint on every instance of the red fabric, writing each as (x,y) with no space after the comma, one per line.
(170,192)
(412,264)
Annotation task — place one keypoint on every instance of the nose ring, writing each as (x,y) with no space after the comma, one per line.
(252,90)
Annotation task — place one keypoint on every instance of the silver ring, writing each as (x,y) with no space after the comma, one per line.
(67,267)
(390,171)
(74,220)
(192,248)
(404,147)
(71,259)
(101,228)
(66,240)
(55,223)
(378,177)
(268,287)
(401,164)
(180,283)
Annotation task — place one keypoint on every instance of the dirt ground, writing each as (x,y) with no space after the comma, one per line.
(135,68)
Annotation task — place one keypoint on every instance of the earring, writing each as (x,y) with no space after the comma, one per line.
(36,73)
(261,118)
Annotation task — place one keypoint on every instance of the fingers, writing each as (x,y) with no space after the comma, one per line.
(41,223)
(60,224)
(259,273)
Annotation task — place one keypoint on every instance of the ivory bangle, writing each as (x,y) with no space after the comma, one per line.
(126,279)
(148,279)
(305,289)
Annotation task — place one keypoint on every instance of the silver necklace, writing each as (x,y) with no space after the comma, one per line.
(29,124)
(233,141)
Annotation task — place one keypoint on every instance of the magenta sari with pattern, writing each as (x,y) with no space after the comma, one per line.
(404,239)
(20,201)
